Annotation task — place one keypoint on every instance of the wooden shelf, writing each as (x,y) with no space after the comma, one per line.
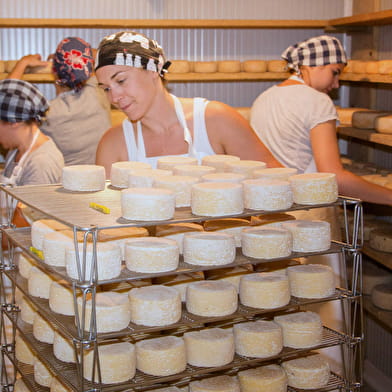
(383,258)
(383,316)
(369,19)
(366,135)
(165,23)
(365,78)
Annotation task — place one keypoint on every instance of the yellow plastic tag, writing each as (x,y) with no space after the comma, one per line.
(100,208)
(37,252)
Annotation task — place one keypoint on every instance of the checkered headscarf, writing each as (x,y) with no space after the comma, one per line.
(316,51)
(132,49)
(21,101)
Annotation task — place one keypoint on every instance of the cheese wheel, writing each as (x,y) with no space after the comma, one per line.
(232,226)
(385,67)
(266,242)
(151,254)
(209,347)
(268,195)
(144,178)
(169,162)
(23,352)
(205,66)
(39,283)
(211,298)
(176,231)
(216,199)
(58,386)
(180,185)
(82,178)
(384,124)
(274,173)
(42,375)
(264,290)
(309,235)
(254,66)
(108,261)
(180,66)
(308,372)
(314,188)
(382,296)
(345,115)
(374,275)
(193,170)
(63,348)
(215,384)
(112,311)
(258,339)
(25,263)
(358,66)
(117,363)
(161,356)
(223,177)
(40,69)
(9,65)
(300,329)
(274,219)
(54,245)
(27,311)
(148,204)
(271,378)
(120,171)
(42,329)
(19,385)
(41,227)
(381,239)
(371,67)
(218,161)
(61,298)
(245,167)
(227,66)
(277,66)
(367,119)
(231,275)
(155,305)
(2,66)
(311,280)
(209,248)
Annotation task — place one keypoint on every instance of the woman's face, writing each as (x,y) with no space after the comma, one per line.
(7,135)
(325,78)
(130,89)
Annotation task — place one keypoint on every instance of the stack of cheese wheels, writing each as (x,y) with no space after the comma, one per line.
(300,329)
(148,204)
(168,163)
(112,311)
(314,188)
(384,124)
(61,298)
(254,66)
(151,254)
(84,178)
(209,347)
(219,161)
(108,261)
(381,239)
(231,275)
(232,226)
(271,378)
(120,171)
(209,248)
(309,235)
(144,178)
(27,311)
(211,298)
(277,66)
(367,119)
(309,372)
(345,115)
(216,199)
(41,227)
(311,280)
(271,220)
(161,356)
(374,275)
(155,305)
(180,185)
(268,195)
(193,170)
(215,384)
(382,296)
(274,173)
(227,66)
(180,66)
(117,363)
(258,339)
(245,167)
(223,177)
(25,263)
(176,231)
(180,282)
(57,386)
(266,242)
(42,375)
(23,353)
(63,348)
(42,329)
(264,290)
(39,283)
(205,66)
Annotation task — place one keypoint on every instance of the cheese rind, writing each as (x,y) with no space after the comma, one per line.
(274,173)
(219,161)
(25,263)
(367,119)
(215,384)
(39,283)
(180,66)
(42,329)
(41,227)
(229,66)
(382,296)
(277,66)
(245,167)
(63,348)
(381,239)
(169,162)
(61,298)
(144,178)
(23,352)
(205,66)
(27,311)
(42,374)
(269,378)
(82,178)
(254,66)
(120,171)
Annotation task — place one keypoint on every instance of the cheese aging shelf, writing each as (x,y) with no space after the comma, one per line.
(72,209)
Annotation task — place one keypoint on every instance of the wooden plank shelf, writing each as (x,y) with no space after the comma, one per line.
(366,135)
(365,78)
(383,258)
(368,19)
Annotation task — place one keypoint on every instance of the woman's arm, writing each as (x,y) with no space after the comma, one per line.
(31,60)
(327,157)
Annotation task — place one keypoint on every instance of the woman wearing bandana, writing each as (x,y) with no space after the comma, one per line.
(296,119)
(80,113)
(130,68)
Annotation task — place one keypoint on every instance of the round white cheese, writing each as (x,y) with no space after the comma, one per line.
(274,173)
(218,161)
(25,263)
(155,305)
(231,275)
(161,356)
(42,329)
(223,177)
(27,311)
(209,347)
(215,384)
(83,178)
(144,178)
(271,378)
(58,386)
(54,245)
(193,170)
(245,167)
(381,239)
(374,275)
(382,296)
(23,352)
(61,298)
(120,171)
(41,227)
(258,339)
(211,298)
(19,385)
(209,248)
(39,283)
(232,226)
(168,163)
(148,204)
(264,290)
(151,254)
(42,374)
(63,348)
